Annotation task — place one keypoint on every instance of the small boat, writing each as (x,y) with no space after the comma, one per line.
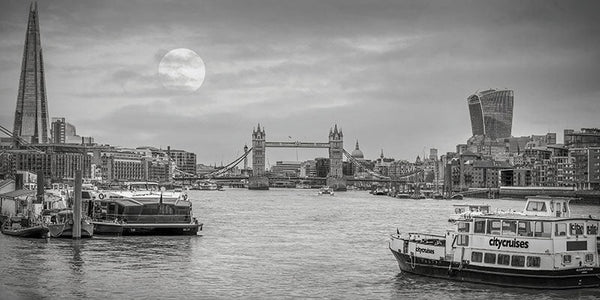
(206,185)
(326,191)
(544,247)
(380,191)
(23,227)
(457,197)
(60,224)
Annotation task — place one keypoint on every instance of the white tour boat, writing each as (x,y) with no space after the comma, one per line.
(543,247)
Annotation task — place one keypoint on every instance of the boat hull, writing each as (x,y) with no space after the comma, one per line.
(66,230)
(29,232)
(109,228)
(585,277)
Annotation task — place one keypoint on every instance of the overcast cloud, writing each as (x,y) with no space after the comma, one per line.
(393,74)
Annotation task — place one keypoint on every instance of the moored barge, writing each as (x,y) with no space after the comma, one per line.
(543,247)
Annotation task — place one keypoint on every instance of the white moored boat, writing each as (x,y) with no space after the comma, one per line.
(543,247)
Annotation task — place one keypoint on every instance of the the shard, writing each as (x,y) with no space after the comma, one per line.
(31,114)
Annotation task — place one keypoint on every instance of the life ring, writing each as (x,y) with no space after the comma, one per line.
(100,196)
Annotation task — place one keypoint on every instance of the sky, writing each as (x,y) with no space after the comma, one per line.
(394,75)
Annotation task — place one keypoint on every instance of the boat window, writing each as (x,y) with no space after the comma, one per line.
(150,209)
(561,229)
(462,240)
(509,227)
(459,210)
(566,259)
(476,256)
(463,227)
(484,209)
(533,261)
(166,210)
(493,226)
(503,259)
(518,261)
(524,228)
(589,258)
(536,206)
(479,226)
(543,229)
(489,258)
(592,228)
(576,228)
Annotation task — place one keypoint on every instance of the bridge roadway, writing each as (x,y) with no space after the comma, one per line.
(296,144)
(404,181)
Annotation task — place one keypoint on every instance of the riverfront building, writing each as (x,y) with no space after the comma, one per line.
(62,132)
(587,137)
(491,113)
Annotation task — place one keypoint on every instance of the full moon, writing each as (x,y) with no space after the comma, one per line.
(182,70)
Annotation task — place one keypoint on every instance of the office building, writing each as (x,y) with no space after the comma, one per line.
(491,113)
(31,113)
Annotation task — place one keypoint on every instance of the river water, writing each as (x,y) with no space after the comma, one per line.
(277,244)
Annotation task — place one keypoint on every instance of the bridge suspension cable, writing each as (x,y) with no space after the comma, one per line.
(231,165)
(358,163)
(19,139)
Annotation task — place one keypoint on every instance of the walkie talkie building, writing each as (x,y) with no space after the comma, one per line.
(491,113)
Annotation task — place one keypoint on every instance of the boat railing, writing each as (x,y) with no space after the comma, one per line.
(146,218)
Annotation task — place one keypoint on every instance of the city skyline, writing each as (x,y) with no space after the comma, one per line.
(394,76)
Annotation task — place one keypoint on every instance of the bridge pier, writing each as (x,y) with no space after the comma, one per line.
(337,184)
(258,183)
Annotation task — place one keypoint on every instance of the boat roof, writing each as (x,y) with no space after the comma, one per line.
(122,201)
(471,204)
(18,194)
(518,216)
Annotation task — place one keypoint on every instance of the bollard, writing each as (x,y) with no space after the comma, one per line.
(77,206)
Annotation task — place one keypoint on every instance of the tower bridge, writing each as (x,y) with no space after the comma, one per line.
(335,146)
(335,178)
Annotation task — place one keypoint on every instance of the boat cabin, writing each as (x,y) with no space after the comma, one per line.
(543,236)
(133,211)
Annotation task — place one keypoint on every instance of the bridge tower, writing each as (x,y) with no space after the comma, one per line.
(258,151)
(258,180)
(336,154)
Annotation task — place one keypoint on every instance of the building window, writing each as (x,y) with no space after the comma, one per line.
(503,259)
(533,261)
(476,256)
(489,258)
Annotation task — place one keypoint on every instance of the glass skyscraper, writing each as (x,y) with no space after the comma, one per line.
(31,115)
(491,113)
